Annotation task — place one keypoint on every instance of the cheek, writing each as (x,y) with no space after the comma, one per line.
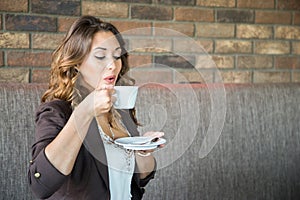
(119,65)
(92,73)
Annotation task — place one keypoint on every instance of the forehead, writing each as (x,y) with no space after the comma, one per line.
(105,40)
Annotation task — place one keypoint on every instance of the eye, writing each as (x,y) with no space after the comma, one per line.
(117,57)
(100,57)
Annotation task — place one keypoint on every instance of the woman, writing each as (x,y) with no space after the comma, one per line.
(74,156)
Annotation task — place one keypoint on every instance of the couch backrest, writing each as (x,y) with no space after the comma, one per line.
(17,105)
(255,157)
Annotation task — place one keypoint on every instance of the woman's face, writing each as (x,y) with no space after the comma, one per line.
(103,64)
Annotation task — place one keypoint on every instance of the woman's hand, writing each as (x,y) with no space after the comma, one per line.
(101,100)
(151,134)
(144,160)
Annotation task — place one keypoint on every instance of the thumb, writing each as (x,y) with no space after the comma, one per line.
(104,87)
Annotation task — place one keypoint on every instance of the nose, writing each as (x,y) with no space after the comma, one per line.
(111,65)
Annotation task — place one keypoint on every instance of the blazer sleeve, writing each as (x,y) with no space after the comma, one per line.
(44,179)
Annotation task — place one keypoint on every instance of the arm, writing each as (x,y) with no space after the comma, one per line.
(63,150)
(59,138)
(45,174)
(145,161)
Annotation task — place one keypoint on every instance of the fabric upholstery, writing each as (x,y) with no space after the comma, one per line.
(255,157)
(17,105)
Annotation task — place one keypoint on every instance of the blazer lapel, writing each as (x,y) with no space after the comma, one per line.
(94,145)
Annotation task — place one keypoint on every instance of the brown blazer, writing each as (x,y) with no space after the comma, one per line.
(89,177)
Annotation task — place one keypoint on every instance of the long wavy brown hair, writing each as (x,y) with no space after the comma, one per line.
(70,54)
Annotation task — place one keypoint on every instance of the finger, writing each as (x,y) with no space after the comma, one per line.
(148,151)
(108,100)
(112,91)
(154,134)
(113,99)
(110,87)
(105,87)
(160,134)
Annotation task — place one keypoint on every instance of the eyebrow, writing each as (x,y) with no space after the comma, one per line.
(102,48)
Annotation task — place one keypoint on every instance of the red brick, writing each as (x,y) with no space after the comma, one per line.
(233,46)
(14,5)
(40,76)
(133,27)
(138,1)
(14,40)
(56,7)
(271,77)
(194,14)
(169,2)
(236,76)
(46,41)
(297,19)
(188,45)
(255,62)
(273,17)
(174,29)
(296,77)
(296,48)
(254,31)
(151,12)
(224,62)
(206,62)
(215,30)
(30,23)
(288,4)
(235,16)
(287,62)
(14,75)
(270,47)
(1,58)
(256,4)
(105,9)
(287,32)
(216,3)
(193,76)
(143,76)
(207,45)
(29,59)
(64,23)
(139,60)
(149,44)
(175,61)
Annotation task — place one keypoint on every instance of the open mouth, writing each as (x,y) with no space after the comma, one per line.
(110,79)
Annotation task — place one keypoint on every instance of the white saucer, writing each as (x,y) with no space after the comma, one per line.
(133,143)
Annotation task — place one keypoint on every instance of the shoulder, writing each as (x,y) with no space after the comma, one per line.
(55,107)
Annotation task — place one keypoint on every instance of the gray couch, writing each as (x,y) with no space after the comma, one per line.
(239,143)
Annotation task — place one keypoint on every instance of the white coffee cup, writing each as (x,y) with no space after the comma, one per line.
(126,96)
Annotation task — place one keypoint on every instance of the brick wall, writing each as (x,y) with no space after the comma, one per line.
(248,40)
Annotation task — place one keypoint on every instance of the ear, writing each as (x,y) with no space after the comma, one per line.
(76,69)
(72,72)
